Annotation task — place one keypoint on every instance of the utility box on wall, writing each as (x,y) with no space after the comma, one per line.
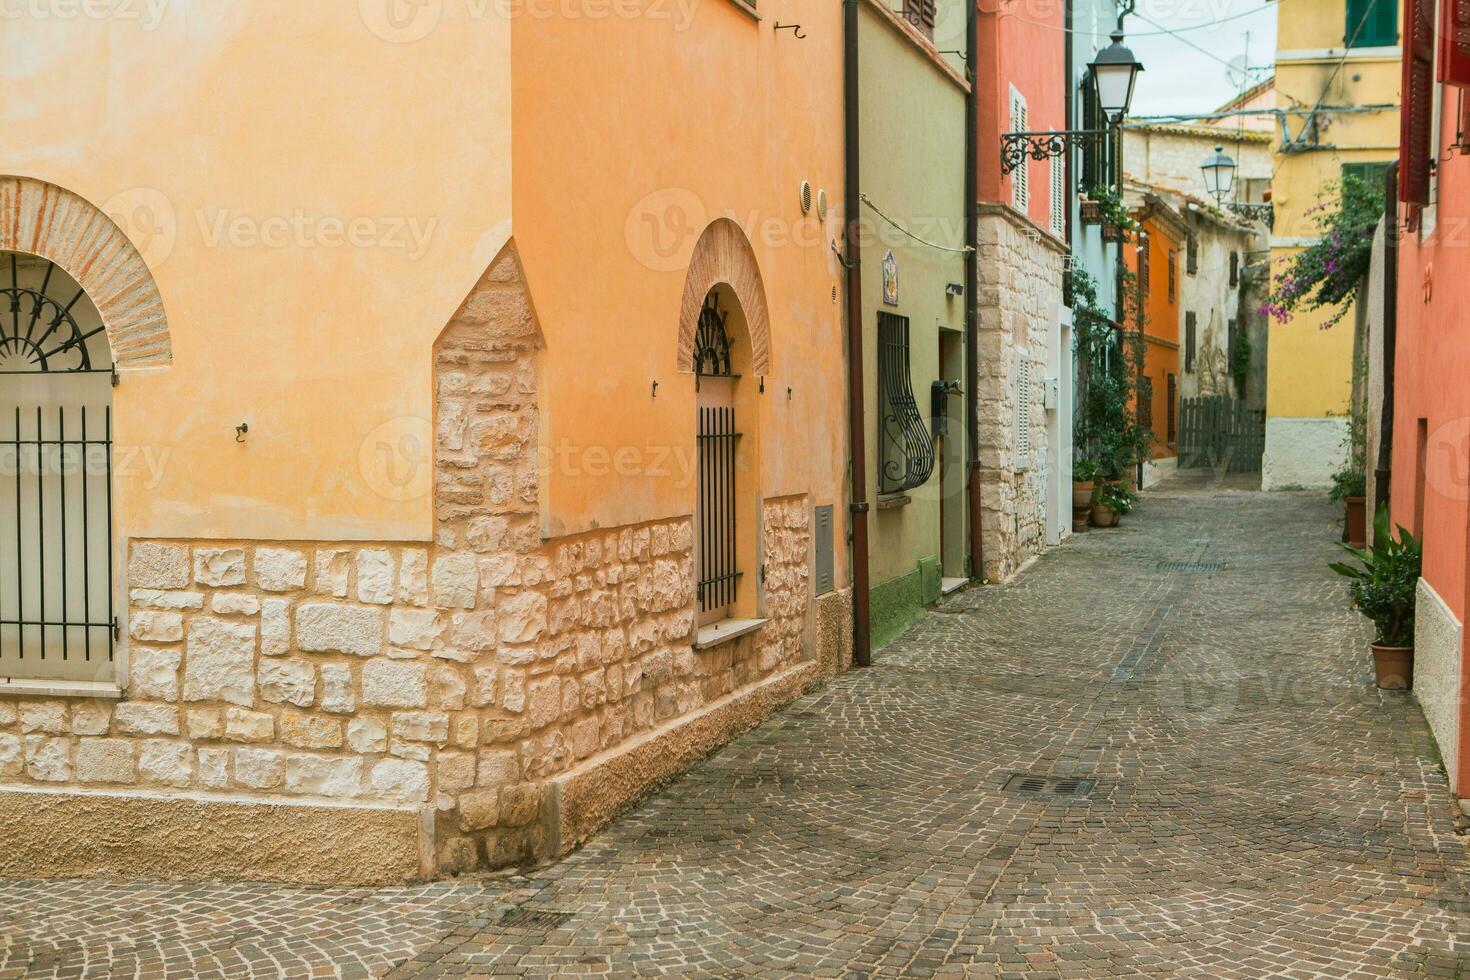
(822,534)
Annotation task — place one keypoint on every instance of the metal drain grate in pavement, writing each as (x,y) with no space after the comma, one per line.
(1064,786)
(1191,566)
(539,920)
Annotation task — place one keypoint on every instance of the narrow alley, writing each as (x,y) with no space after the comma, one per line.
(1230,796)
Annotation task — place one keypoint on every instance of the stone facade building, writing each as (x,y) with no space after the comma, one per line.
(1022,353)
(438,569)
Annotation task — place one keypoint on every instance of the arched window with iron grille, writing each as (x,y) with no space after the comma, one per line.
(718,440)
(57,610)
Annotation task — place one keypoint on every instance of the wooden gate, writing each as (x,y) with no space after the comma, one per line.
(1219,432)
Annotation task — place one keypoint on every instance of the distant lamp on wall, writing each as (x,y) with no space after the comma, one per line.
(1219,171)
(1113,72)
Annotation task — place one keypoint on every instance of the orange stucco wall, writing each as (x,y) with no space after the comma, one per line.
(1430,489)
(626,147)
(1162,331)
(314,192)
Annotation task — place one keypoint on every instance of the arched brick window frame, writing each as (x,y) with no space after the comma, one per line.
(723,256)
(55,224)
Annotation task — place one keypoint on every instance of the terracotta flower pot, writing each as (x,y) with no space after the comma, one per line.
(1393,667)
(1082,494)
(1081,516)
(1104,516)
(1357,522)
(1091,212)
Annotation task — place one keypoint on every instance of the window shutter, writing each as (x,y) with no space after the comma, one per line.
(1092,154)
(1021,176)
(1234,268)
(1191,254)
(1143,249)
(1415,122)
(1023,410)
(920,13)
(1454,43)
(1371,23)
(1189,326)
(1058,195)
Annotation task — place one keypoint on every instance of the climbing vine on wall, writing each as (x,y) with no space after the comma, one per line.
(1327,273)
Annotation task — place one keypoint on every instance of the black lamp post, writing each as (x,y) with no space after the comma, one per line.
(1114,72)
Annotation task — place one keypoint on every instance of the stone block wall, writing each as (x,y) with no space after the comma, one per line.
(458,675)
(1020,292)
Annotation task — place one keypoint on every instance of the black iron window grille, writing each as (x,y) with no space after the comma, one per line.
(905,449)
(920,13)
(718,440)
(57,609)
(39,333)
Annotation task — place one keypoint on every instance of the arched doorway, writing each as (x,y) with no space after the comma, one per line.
(57,590)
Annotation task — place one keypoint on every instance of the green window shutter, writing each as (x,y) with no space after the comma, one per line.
(1371,23)
(1091,154)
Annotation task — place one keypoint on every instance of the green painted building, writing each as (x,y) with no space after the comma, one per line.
(912,165)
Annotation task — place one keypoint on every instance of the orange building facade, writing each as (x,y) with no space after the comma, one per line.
(495,388)
(1153,259)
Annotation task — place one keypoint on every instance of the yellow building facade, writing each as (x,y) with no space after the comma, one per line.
(1337,83)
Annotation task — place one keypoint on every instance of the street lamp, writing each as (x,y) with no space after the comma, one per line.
(1113,73)
(1219,171)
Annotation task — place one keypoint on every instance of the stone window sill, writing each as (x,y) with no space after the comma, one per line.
(98,690)
(890,501)
(724,631)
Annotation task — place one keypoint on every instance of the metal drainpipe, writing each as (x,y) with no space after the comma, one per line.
(862,651)
(1383,472)
(972,278)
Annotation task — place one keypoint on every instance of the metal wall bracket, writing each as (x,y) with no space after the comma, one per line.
(1016,148)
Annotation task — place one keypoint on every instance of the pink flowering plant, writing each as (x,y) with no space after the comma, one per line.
(1327,273)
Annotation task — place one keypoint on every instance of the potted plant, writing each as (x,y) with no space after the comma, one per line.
(1383,589)
(1090,212)
(1349,486)
(1084,477)
(1113,501)
(1084,485)
(1114,216)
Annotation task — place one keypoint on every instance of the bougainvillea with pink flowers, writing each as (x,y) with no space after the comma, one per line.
(1327,273)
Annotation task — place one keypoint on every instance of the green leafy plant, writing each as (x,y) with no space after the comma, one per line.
(1326,274)
(1240,361)
(1106,430)
(1114,209)
(1383,588)
(1118,497)
(1348,482)
(1084,471)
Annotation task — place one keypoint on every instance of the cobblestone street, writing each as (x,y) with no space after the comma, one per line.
(1259,809)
